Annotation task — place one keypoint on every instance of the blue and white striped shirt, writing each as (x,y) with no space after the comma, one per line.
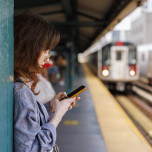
(32,130)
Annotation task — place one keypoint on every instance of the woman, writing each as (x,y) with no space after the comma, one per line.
(34,131)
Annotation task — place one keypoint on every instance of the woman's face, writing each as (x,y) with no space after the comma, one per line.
(44,57)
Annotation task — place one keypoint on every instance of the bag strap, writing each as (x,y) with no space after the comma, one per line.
(56,148)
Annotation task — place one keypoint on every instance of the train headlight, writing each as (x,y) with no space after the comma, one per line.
(105,72)
(132,70)
(132,73)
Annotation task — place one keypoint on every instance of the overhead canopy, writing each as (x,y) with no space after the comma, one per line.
(80,22)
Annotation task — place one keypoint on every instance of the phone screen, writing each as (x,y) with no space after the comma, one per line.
(76,91)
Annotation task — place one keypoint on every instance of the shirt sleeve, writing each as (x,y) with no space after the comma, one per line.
(29,135)
(47,106)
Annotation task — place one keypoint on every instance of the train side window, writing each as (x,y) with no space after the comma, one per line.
(118,55)
(143,57)
(132,56)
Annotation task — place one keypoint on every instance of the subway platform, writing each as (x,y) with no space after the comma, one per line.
(97,123)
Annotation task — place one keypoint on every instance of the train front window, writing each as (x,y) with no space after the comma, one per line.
(118,55)
(132,56)
(106,56)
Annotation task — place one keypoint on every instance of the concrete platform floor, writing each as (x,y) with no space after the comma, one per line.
(79,130)
(97,123)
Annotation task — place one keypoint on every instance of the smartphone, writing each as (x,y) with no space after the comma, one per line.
(76,91)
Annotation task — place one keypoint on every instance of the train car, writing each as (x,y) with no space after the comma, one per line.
(145,62)
(115,64)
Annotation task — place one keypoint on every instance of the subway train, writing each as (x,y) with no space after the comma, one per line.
(145,64)
(115,64)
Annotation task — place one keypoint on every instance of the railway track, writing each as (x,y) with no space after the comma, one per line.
(138,106)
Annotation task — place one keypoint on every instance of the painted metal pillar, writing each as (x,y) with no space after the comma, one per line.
(71,71)
(74,58)
(6,75)
(68,72)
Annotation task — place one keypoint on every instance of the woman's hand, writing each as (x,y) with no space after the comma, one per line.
(59,96)
(60,108)
(60,105)
(73,103)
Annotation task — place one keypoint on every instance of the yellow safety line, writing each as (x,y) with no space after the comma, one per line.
(111,143)
(129,121)
(133,126)
(71,122)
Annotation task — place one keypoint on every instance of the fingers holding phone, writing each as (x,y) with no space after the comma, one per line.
(73,103)
(59,96)
(62,96)
(61,107)
(62,102)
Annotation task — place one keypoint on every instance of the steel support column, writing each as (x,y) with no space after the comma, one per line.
(6,75)
(69,72)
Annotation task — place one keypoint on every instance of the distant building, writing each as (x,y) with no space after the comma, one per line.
(147,6)
(141,29)
(120,35)
(115,35)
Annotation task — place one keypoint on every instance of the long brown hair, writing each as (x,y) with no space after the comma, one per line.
(32,35)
